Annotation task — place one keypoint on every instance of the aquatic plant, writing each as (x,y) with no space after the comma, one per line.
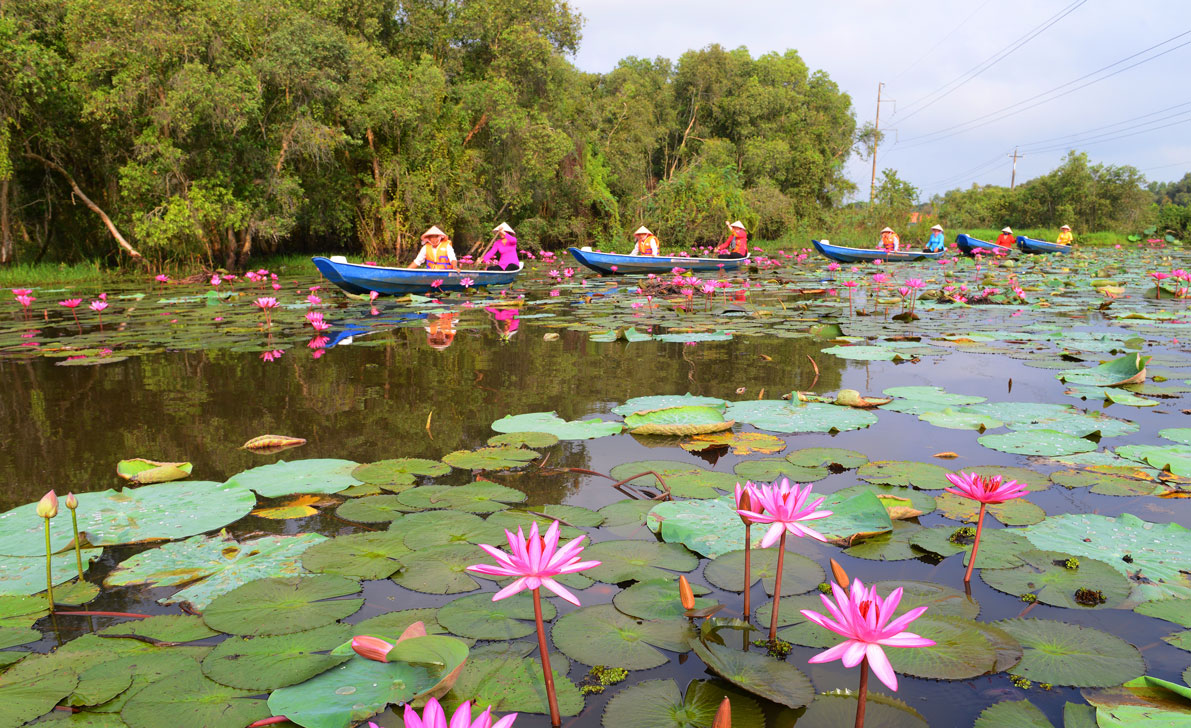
(744,504)
(986,490)
(433,716)
(47,508)
(266,304)
(72,503)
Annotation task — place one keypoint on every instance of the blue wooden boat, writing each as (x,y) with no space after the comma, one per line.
(859,255)
(603,263)
(1030,245)
(363,279)
(968,245)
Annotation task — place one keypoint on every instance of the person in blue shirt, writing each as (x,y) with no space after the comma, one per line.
(936,241)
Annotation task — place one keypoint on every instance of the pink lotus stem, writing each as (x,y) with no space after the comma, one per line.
(975,544)
(268,721)
(862,693)
(748,582)
(547,673)
(777,587)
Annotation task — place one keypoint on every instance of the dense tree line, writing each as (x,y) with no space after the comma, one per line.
(1172,206)
(212,130)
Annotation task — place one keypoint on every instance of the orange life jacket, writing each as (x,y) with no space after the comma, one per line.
(890,241)
(1006,240)
(437,256)
(649,245)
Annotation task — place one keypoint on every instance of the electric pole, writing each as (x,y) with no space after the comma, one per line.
(872,187)
(1013,177)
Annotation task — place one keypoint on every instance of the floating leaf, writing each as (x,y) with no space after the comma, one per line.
(689,420)
(864,353)
(919,502)
(532,440)
(657,599)
(960,420)
(1181,435)
(1045,574)
(373,509)
(478,497)
(999,548)
(317,475)
(510,682)
(146,472)
(828,457)
(1172,609)
(742,443)
(555,425)
(768,470)
(1068,654)
(1016,713)
(270,444)
(893,545)
(490,458)
(164,628)
(637,561)
(1175,458)
(24,575)
(211,566)
(1105,483)
(659,704)
(440,569)
(899,472)
(478,617)
(833,710)
(961,650)
(780,416)
(33,687)
(1145,701)
(300,507)
(799,574)
(1129,369)
(757,673)
(391,474)
(263,664)
(600,635)
(438,528)
(357,555)
(1049,443)
(934,395)
(283,605)
(1016,512)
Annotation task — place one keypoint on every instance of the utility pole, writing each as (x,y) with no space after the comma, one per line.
(1013,177)
(872,187)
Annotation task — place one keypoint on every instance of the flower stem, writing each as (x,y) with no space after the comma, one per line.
(862,693)
(975,544)
(78,551)
(547,673)
(748,581)
(777,586)
(49,577)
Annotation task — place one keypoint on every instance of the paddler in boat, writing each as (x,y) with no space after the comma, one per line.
(436,251)
(441,330)
(1006,239)
(1065,236)
(936,241)
(890,242)
(502,252)
(737,244)
(647,243)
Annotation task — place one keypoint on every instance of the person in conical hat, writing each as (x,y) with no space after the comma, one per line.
(737,243)
(436,251)
(647,243)
(936,242)
(890,242)
(1065,236)
(502,252)
(1006,239)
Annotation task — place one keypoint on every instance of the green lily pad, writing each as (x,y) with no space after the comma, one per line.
(1068,654)
(934,395)
(685,480)
(1081,424)
(478,497)
(1159,555)
(357,555)
(828,457)
(211,566)
(1128,369)
(439,528)
(164,628)
(1181,435)
(148,513)
(511,520)
(741,443)
(799,574)
(924,476)
(600,635)
(395,623)
(1105,483)
(961,650)
(688,420)
(776,415)
(531,440)
(1145,701)
(147,472)
(490,458)
(1016,713)
(999,548)
(24,575)
(316,475)
(1019,413)
(960,420)
(263,664)
(359,688)
(373,509)
(637,561)
(283,605)
(1182,640)
(555,425)
(478,617)
(1049,443)
(33,687)
(399,472)
(1045,575)
(510,682)
(757,673)
(192,701)
(660,704)
(833,710)
(768,470)
(657,599)
(864,353)
(1016,512)
(440,569)
(1175,458)
(1110,394)
(918,500)
(1172,609)
(892,545)
(653,402)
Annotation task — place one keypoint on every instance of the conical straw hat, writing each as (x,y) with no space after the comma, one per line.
(433,231)
(504,228)
(937,227)
(1007,230)
(738,224)
(643,231)
(887,230)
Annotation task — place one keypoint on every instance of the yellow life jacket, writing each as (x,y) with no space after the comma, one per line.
(438,256)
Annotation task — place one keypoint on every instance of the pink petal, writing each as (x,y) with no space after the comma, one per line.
(854,654)
(907,639)
(561,591)
(832,654)
(411,717)
(462,717)
(772,535)
(510,590)
(506,722)
(881,667)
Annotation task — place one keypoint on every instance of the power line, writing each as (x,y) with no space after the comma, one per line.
(1113,138)
(958,82)
(1009,111)
(986,166)
(1108,126)
(944,39)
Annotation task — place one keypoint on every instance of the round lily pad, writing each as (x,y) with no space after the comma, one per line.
(653,402)
(510,682)
(1016,713)
(925,476)
(317,475)
(373,509)
(960,652)
(395,623)
(601,635)
(399,472)
(478,497)
(438,528)
(918,500)
(283,605)
(685,480)
(478,617)
(1105,483)
(757,673)
(192,700)
(935,395)
(1046,574)
(657,600)
(1181,435)
(769,470)
(836,709)
(1016,512)
(555,425)
(829,457)
(33,687)
(532,440)
(741,443)
(1172,609)
(637,561)
(953,419)
(1049,443)
(573,515)
(490,458)
(626,515)
(659,704)
(440,569)
(781,416)
(799,574)
(1081,424)
(357,555)
(262,664)
(687,420)
(164,628)
(889,546)
(1068,654)
(999,548)
(1013,413)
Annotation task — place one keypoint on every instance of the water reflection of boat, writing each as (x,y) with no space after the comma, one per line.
(362,279)
(1030,245)
(858,255)
(968,245)
(616,264)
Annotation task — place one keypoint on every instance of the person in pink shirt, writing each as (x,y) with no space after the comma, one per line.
(502,253)
(506,321)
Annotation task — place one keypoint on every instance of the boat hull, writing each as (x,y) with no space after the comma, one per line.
(363,279)
(603,263)
(968,245)
(1035,247)
(842,254)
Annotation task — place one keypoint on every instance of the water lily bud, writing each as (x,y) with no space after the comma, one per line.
(685,594)
(372,648)
(71,501)
(47,507)
(841,576)
(723,716)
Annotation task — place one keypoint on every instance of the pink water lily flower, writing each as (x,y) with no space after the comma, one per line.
(535,561)
(17,292)
(862,616)
(466,282)
(25,301)
(98,306)
(433,716)
(985,489)
(785,507)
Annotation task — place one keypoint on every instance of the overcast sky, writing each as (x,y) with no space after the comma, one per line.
(921,49)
